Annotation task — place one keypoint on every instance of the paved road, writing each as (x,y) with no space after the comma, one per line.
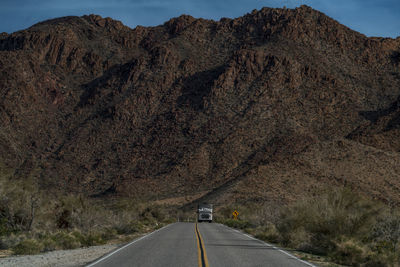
(184,244)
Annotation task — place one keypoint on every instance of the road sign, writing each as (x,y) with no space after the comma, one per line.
(235,214)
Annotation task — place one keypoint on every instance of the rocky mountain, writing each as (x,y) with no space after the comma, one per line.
(270,106)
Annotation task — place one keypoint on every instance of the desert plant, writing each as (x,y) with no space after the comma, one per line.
(335,214)
(49,244)
(129,228)
(268,233)
(339,224)
(239,224)
(109,234)
(152,214)
(65,240)
(386,232)
(28,246)
(31,221)
(10,241)
(4,228)
(93,239)
(349,252)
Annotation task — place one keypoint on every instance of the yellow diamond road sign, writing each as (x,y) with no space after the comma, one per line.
(235,213)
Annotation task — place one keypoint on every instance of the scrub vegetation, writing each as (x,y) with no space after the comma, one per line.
(340,226)
(33,221)
(337,226)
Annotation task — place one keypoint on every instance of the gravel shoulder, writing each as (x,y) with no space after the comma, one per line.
(63,258)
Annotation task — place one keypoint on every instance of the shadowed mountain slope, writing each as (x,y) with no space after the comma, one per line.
(277,103)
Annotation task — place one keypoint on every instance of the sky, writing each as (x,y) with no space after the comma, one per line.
(370,17)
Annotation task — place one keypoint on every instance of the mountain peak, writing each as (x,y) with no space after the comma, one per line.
(270,101)
(178,24)
(104,22)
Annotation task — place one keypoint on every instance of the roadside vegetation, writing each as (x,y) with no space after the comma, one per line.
(339,226)
(33,221)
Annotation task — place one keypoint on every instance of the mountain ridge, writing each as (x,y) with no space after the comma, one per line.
(194,104)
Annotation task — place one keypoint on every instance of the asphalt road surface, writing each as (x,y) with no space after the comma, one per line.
(203,244)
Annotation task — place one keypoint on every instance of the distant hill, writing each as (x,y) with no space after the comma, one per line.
(270,106)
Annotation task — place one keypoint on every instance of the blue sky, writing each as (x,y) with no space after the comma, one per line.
(370,17)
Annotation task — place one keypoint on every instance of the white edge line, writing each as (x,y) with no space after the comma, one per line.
(272,246)
(134,241)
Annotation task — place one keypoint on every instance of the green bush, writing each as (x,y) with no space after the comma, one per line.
(27,247)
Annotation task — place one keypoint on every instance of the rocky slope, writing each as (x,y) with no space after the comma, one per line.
(277,103)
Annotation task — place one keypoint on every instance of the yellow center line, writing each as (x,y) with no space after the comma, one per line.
(198,247)
(201,249)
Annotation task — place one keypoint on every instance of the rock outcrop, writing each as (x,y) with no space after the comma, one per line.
(253,105)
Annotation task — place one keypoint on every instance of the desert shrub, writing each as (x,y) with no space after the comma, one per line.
(384,239)
(9,241)
(32,221)
(267,232)
(49,244)
(375,263)
(77,212)
(338,213)
(93,239)
(385,234)
(168,221)
(17,208)
(4,227)
(269,237)
(64,220)
(344,226)
(79,236)
(182,216)
(72,211)
(239,224)
(265,214)
(349,252)
(65,240)
(152,214)
(129,228)
(340,225)
(109,233)
(28,246)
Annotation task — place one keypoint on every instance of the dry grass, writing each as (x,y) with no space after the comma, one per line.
(339,226)
(32,221)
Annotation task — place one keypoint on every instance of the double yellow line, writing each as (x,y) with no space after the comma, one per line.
(201,249)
